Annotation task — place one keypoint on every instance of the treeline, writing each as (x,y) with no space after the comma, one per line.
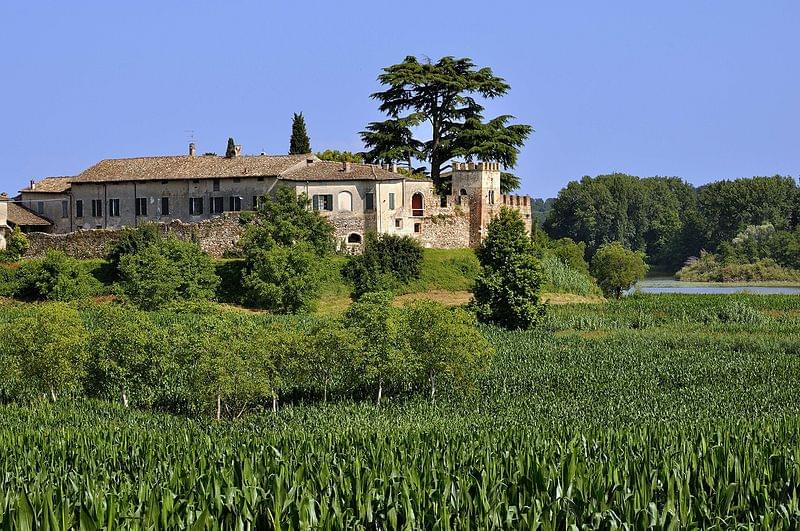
(667,218)
(197,360)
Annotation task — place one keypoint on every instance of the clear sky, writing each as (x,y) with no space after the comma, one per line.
(703,90)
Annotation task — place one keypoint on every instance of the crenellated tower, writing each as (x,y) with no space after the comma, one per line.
(480,182)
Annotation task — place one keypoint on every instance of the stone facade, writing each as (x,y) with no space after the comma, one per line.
(3,223)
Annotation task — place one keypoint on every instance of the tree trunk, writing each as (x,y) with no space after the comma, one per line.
(325,394)
(433,387)
(124,397)
(380,391)
(52,393)
(618,293)
(274,403)
(219,406)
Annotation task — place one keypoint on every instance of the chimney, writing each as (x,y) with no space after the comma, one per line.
(394,167)
(346,167)
(309,162)
(237,150)
(192,149)
(33,185)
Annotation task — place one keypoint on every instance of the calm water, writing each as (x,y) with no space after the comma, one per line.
(670,285)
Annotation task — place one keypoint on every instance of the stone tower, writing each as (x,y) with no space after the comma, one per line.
(480,182)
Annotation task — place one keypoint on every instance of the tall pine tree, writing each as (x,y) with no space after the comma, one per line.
(230,151)
(299,143)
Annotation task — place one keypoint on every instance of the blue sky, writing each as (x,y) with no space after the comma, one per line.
(703,90)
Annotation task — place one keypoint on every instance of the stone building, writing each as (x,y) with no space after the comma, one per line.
(356,198)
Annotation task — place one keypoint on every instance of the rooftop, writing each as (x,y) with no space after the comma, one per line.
(53,185)
(20,216)
(321,170)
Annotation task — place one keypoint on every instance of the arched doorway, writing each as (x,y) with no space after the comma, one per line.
(354,238)
(417,202)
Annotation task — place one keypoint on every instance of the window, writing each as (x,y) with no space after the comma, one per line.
(79,208)
(398,223)
(417,205)
(113,208)
(491,197)
(165,206)
(443,201)
(237,180)
(345,201)
(217,205)
(369,201)
(97,208)
(216,185)
(64,209)
(463,192)
(417,227)
(354,238)
(196,206)
(235,204)
(164,182)
(260,179)
(391,200)
(40,207)
(141,206)
(196,181)
(258,200)
(322,202)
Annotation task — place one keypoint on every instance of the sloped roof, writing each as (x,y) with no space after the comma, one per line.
(335,171)
(20,216)
(188,167)
(55,185)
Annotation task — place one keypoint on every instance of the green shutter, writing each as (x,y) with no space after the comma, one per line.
(330,202)
(315,202)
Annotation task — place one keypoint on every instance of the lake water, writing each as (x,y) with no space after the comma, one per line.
(670,285)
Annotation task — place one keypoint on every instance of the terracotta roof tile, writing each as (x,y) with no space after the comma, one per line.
(334,171)
(51,185)
(188,167)
(21,216)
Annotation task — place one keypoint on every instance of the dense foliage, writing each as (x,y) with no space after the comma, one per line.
(131,240)
(650,412)
(17,245)
(55,277)
(299,143)
(506,292)
(166,271)
(386,260)
(617,269)
(335,155)
(443,96)
(667,218)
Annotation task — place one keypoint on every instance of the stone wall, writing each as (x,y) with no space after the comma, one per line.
(216,236)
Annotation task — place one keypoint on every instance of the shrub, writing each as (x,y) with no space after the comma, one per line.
(131,241)
(559,277)
(387,260)
(617,268)
(507,289)
(166,271)
(56,277)
(282,279)
(571,253)
(17,245)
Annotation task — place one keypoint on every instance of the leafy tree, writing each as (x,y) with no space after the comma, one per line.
(385,359)
(506,291)
(340,156)
(509,182)
(447,347)
(48,348)
(328,356)
(230,151)
(166,271)
(282,279)
(617,268)
(122,360)
(442,95)
(17,245)
(130,241)
(299,143)
(56,277)
(386,259)
(286,219)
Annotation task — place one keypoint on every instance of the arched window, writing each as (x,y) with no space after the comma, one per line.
(354,238)
(417,202)
(345,201)
(463,191)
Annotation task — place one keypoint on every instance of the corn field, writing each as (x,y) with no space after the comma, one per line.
(656,412)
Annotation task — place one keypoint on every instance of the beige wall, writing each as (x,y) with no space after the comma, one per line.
(51,206)
(3,224)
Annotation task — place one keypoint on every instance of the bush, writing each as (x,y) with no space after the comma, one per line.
(559,277)
(386,261)
(617,268)
(56,277)
(131,241)
(507,289)
(282,279)
(166,271)
(16,246)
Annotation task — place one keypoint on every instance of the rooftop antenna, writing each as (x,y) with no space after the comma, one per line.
(190,133)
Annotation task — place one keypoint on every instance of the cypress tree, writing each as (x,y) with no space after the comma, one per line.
(230,152)
(299,143)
